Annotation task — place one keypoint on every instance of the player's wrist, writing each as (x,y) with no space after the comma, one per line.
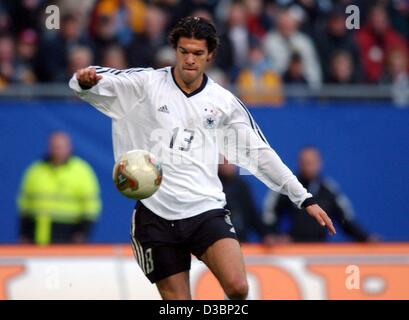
(308,202)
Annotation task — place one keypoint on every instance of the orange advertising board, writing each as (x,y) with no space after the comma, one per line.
(316,271)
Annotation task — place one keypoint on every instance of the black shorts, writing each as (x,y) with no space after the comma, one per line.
(164,247)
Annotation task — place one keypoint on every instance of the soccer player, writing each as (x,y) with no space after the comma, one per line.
(186,119)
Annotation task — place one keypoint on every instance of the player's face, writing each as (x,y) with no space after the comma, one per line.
(192,57)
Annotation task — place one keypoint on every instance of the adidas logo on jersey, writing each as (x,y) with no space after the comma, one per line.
(164,109)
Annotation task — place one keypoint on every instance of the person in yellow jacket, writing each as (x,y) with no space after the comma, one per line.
(59,197)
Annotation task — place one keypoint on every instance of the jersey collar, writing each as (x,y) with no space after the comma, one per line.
(188,95)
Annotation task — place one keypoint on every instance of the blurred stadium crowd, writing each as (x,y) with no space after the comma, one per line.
(263,43)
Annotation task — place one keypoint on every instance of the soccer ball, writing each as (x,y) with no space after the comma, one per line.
(137,174)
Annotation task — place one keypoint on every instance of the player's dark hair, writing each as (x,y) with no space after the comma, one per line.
(197,28)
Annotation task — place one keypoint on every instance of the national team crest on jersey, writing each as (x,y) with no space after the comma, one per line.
(210,120)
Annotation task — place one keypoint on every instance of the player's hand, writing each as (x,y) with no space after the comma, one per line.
(87,77)
(321,216)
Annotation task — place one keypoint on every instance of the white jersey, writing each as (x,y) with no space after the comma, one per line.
(187,132)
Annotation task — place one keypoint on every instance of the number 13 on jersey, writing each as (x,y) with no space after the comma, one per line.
(187,135)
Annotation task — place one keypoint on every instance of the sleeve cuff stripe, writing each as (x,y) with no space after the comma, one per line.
(308,202)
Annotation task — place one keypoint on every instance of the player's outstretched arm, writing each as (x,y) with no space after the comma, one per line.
(321,216)
(115,93)
(87,77)
(248,148)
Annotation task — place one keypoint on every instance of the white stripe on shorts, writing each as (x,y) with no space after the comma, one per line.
(137,248)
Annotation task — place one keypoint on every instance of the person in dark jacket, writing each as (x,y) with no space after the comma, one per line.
(278,209)
(144,46)
(335,38)
(240,203)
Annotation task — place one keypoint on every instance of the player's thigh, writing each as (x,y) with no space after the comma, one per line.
(225,259)
(155,250)
(175,287)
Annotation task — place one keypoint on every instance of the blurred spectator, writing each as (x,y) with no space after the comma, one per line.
(341,68)
(234,41)
(115,20)
(311,13)
(26,54)
(143,47)
(79,57)
(202,13)
(397,74)
(375,40)
(59,197)
(399,15)
(294,74)
(81,8)
(279,46)
(302,228)
(139,26)
(26,14)
(165,57)
(114,57)
(335,37)
(53,50)
(135,11)
(258,23)
(7,60)
(4,21)
(397,66)
(257,82)
(244,215)
(218,76)
(104,35)
(177,9)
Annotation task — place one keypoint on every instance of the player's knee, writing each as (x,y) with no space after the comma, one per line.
(237,289)
(176,288)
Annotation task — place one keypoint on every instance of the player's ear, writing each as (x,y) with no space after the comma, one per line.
(209,57)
